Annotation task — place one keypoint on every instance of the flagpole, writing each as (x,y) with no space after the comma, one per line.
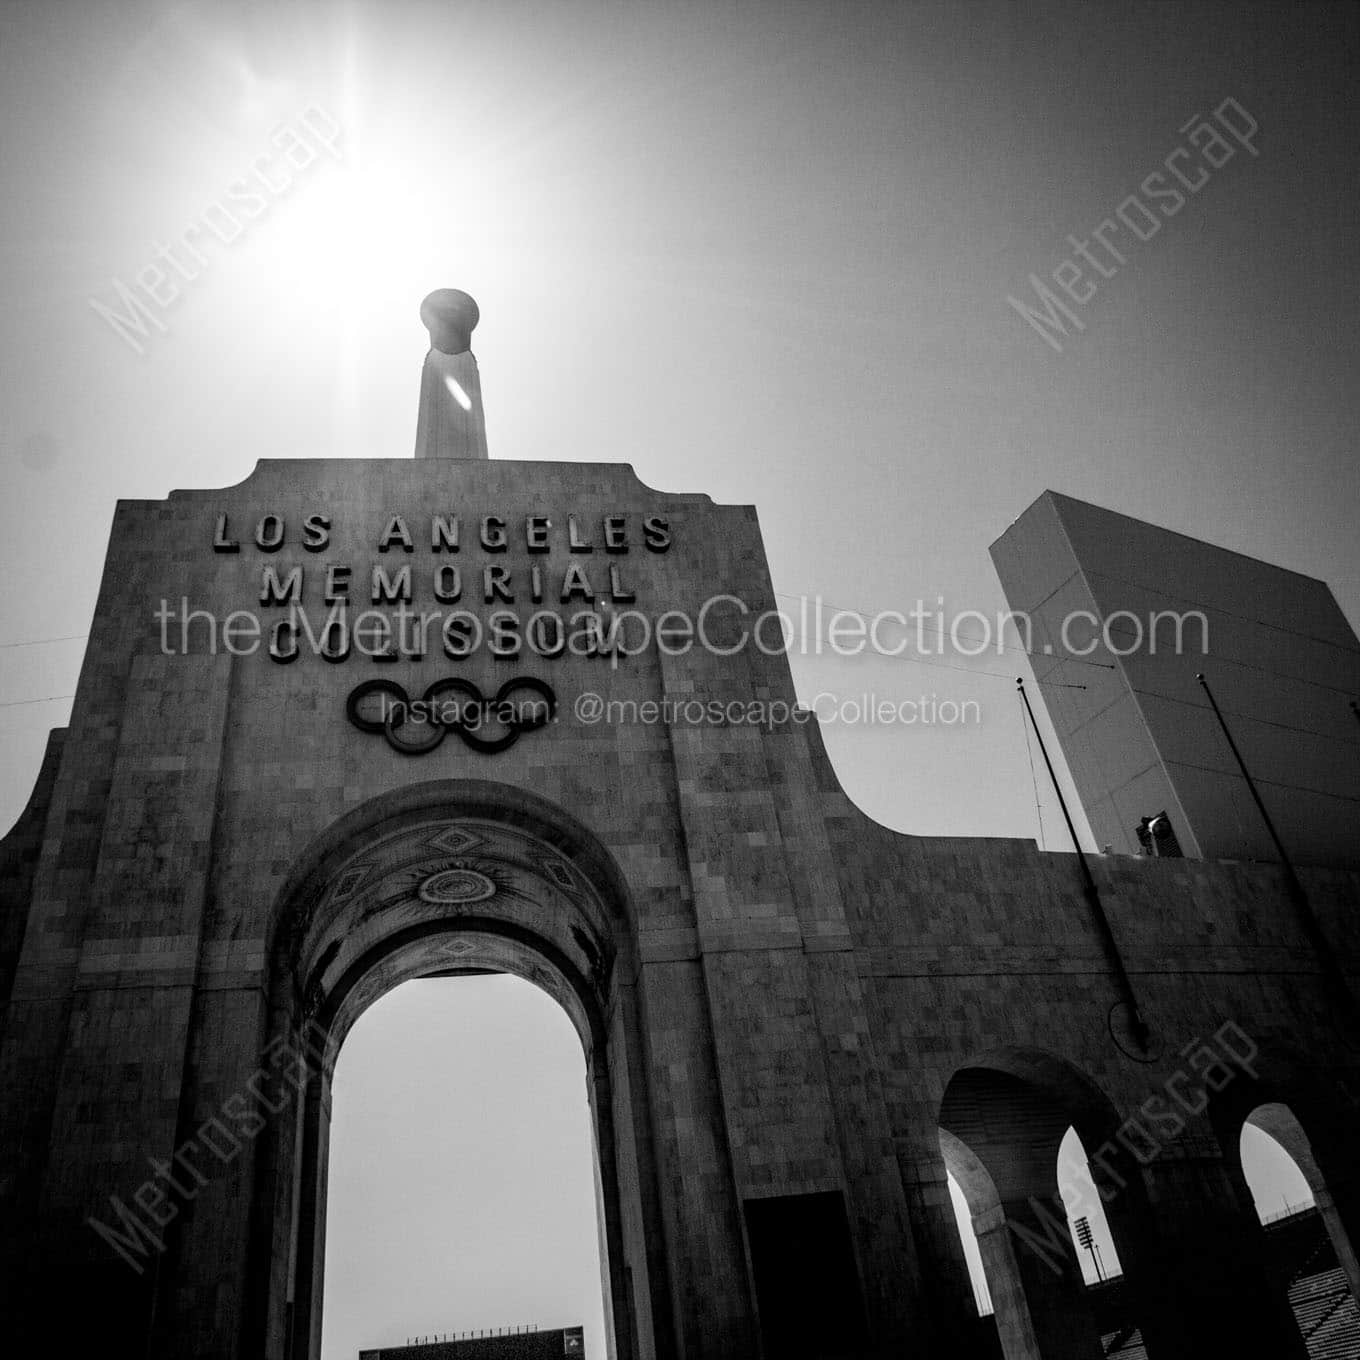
(1092,893)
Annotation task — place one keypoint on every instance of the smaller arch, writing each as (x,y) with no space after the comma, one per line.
(1003,1118)
(1305,1110)
(1087,1108)
(1276,1119)
(1320,1223)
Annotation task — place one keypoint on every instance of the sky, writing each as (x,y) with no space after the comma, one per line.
(484,1132)
(757,250)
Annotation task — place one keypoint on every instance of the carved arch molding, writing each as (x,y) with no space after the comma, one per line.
(448,896)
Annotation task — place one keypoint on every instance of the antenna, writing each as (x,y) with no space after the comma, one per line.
(1087,1240)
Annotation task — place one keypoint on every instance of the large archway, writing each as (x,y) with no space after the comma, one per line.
(441,879)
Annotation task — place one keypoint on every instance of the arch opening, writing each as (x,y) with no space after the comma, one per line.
(463,1173)
(1098,1260)
(1310,1253)
(1011,1140)
(453,883)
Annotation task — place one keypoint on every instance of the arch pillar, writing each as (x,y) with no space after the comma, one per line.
(1060,1321)
(1341,1240)
(946,1289)
(309,1272)
(1010,1300)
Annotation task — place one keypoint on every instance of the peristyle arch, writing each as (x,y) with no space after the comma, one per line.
(433,880)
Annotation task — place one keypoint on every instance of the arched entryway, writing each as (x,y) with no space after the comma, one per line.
(1003,1122)
(1312,1257)
(1279,1122)
(462,1191)
(437,880)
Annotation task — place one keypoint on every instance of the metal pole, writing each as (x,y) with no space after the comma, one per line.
(1087,1240)
(1092,892)
(1251,786)
(1312,928)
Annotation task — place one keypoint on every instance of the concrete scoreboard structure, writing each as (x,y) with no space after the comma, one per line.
(796,1021)
(1139,735)
(516,1344)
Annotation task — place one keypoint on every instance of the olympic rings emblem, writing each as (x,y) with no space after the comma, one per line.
(415,728)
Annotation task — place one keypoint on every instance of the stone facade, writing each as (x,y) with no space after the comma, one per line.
(777,996)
